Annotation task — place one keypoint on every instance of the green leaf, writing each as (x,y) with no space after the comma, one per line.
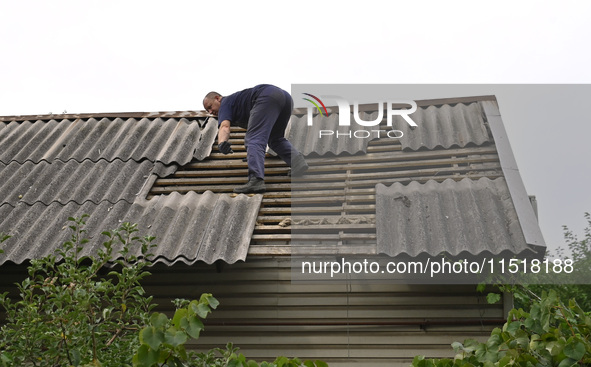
(534,342)
(192,326)
(548,337)
(281,361)
(575,350)
(512,327)
(554,348)
(182,352)
(213,303)
(5,358)
(145,357)
(505,361)
(175,337)
(178,315)
(494,341)
(457,346)
(568,362)
(202,310)
(321,364)
(152,337)
(522,337)
(492,298)
(158,320)
(75,357)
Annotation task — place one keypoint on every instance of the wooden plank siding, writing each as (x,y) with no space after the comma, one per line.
(267,315)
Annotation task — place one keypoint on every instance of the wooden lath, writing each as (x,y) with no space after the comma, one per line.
(334,203)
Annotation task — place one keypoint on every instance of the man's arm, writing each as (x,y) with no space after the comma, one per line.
(224,131)
(223,136)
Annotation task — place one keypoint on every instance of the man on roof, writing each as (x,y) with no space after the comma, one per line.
(264,112)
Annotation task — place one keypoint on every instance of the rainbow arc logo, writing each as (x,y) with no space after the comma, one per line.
(316,104)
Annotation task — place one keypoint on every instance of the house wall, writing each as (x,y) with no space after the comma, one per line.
(263,313)
(266,315)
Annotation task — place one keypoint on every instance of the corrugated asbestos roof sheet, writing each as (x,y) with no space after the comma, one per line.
(63,182)
(52,169)
(167,141)
(452,217)
(188,228)
(318,139)
(445,126)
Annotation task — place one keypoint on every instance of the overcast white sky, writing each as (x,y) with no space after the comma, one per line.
(112,56)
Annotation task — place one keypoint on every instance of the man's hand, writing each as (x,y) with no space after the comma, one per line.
(225,147)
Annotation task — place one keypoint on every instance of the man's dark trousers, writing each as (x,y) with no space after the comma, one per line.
(266,125)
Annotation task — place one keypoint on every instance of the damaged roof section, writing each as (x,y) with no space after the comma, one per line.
(55,167)
(448,186)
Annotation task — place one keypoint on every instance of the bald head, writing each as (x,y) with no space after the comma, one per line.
(211,102)
(212,95)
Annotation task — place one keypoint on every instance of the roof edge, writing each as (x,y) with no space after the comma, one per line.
(525,211)
(137,115)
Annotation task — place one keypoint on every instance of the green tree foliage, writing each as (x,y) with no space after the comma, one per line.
(163,341)
(550,334)
(579,250)
(555,332)
(70,313)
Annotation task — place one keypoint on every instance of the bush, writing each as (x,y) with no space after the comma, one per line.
(72,314)
(573,285)
(69,314)
(554,332)
(551,334)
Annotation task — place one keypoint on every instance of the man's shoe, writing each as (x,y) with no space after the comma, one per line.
(254,186)
(298,166)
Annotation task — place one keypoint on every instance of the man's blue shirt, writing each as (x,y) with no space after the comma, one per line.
(236,107)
